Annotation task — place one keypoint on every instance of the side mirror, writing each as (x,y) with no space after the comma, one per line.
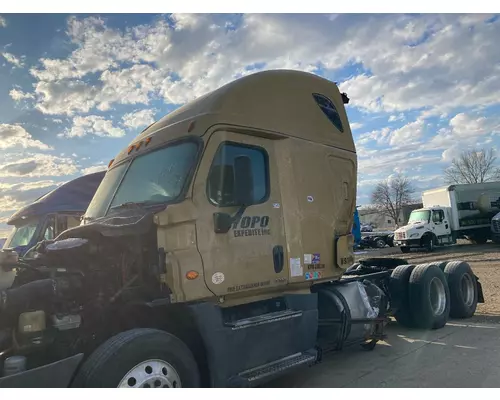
(243,181)
(222,222)
(8,259)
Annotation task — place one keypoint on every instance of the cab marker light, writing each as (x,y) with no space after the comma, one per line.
(192,275)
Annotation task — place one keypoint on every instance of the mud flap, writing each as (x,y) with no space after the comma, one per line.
(55,375)
(480,295)
(266,344)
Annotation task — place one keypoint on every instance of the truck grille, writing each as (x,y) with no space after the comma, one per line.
(400,235)
(496,226)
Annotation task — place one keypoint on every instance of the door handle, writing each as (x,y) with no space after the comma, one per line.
(278,258)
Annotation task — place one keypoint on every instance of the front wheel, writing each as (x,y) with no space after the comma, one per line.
(140,358)
(428,243)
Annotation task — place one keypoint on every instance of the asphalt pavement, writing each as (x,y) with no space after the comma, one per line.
(465,353)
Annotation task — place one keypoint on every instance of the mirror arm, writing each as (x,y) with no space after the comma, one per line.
(239,214)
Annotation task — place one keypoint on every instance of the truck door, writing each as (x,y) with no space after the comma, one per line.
(441,226)
(252,254)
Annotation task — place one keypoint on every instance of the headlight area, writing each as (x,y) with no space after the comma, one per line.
(50,316)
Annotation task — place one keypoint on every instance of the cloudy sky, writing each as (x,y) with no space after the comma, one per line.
(74,90)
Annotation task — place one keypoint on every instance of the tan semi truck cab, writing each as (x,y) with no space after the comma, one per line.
(259,183)
(211,254)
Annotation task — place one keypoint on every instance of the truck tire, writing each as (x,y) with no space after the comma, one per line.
(140,358)
(405,249)
(398,291)
(463,289)
(429,297)
(440,265)
(388,263)
(428,242)
(379,243)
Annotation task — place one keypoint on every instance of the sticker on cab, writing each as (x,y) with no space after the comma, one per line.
(218,278)
(312,275)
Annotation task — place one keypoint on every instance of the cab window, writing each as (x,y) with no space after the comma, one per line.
(220,183)
(438,216)
(329,109)
(50,228)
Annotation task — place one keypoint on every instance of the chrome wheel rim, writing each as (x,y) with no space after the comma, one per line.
(437,296)
(151,374)
(467,289)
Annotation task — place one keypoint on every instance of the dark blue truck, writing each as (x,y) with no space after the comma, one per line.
(52,213)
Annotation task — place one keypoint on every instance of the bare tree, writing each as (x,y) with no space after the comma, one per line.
(473,166)
(391,195)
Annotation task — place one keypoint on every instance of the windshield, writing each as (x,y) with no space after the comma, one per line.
(419,216)
(155,177)
(21,234)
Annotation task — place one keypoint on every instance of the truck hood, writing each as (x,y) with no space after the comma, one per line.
(414,227)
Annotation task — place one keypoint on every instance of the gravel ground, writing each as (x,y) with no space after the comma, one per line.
(484,260)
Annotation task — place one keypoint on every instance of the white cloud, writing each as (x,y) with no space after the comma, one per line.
(3,22)
(36,165)
(139,119)
(355,126)
(95,125)
(450,153)
(428,61)
(15,196)
(464,131)
(94,168)
(400,117)
(17,136)
(18,95)
(462,125)
(380,136)
(12,59)
(65,97)
(410,133)
(383,162)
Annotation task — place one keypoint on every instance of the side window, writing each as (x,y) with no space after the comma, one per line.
(438,216)
(329,110)
(221,180)
(62,223)
(49,232)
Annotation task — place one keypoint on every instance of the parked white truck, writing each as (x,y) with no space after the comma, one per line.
(449,213)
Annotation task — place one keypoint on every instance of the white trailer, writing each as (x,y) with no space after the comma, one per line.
(450,213)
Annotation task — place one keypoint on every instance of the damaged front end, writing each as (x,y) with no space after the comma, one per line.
(69,294)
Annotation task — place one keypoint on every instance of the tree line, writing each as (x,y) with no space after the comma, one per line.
(471,166)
